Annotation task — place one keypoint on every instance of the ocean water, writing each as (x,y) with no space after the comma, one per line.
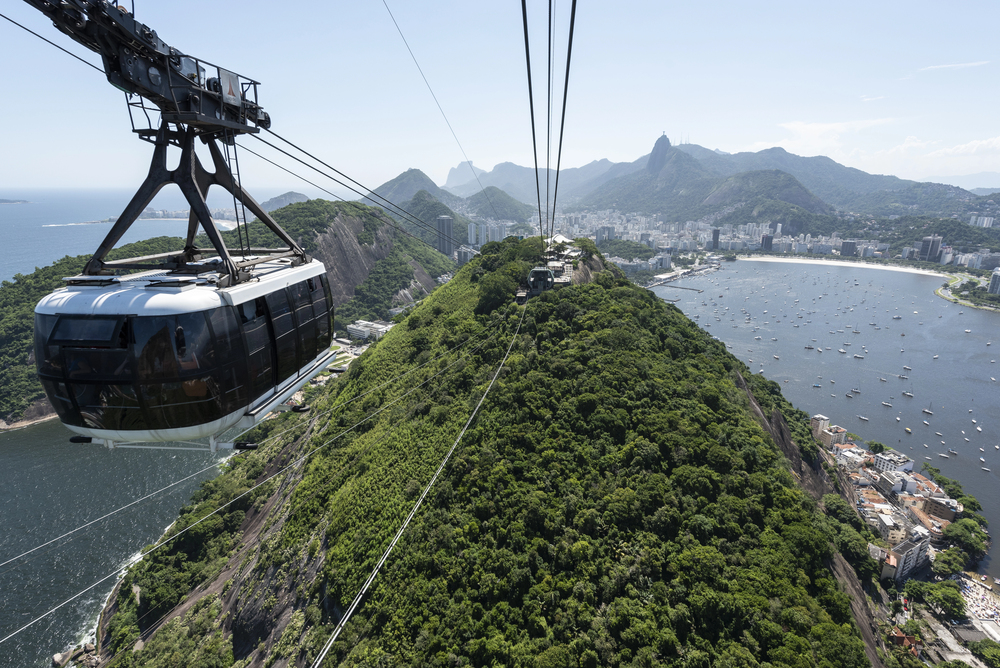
(56,223)
(48,487)
(953,373)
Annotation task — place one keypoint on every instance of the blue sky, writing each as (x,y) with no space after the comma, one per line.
(891,88)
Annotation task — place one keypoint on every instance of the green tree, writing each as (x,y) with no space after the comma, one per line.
(968,536)
(988,651)
(949,562)
(875,447)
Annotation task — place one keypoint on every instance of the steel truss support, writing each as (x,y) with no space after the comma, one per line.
(194,181)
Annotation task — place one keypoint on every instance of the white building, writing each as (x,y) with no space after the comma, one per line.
(890,460)
(362,329)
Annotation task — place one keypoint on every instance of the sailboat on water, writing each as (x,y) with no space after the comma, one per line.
(928,410)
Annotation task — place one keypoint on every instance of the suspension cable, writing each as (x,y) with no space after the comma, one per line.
(368,192)
(416,506)
(548,126)
(286,468)
(332,194)
(461,148)
(562,123)
(531,106)
(85,62)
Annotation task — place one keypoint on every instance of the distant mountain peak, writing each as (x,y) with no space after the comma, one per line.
(285,199)
(658,156)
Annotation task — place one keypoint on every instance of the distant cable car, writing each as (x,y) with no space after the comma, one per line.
(167,357)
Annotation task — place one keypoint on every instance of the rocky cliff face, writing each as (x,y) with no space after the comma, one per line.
(347,258)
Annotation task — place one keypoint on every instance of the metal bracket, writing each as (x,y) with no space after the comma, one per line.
(194,181)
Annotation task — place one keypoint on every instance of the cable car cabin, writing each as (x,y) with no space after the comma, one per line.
(158,356)
(539,280)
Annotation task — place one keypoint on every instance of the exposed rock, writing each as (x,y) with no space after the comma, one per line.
(347,260)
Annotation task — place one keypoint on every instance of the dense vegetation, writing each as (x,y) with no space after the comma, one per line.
(426,208)
(614,503)
(987,651)
(491,202)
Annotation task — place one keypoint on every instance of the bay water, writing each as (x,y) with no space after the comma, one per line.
(907,340)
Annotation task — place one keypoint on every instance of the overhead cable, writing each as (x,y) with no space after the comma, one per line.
(531,106)
(461,148)
(562,122)
(85,62)
(416,506)
(292,464)
(367,192)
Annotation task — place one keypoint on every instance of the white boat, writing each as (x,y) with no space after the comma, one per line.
(985,469)
(862,417)
(941,454)
(968,331)
(886,403)
(979,428)
(982,460)
(883,380)
(935,357)
(907,368)
(775,356)
(927,423)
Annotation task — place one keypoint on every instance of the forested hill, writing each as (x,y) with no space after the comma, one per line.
(614,503)
(371,266)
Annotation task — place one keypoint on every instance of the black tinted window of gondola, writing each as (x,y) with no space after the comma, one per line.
(60,397)
(154,347)
(260,352)
(48,358)
(231,360)
(284,334)
(321,313)
(306,328)
(193,344)
(75,330)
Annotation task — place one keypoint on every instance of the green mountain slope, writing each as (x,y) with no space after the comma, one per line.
(680,187)
(615,503)
(426,207)
(491,202)
(408,184)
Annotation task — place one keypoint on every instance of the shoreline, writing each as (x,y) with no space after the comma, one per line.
(950,277)
(23,424)
(834,263)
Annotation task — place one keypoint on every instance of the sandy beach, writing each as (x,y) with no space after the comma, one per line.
(835,263)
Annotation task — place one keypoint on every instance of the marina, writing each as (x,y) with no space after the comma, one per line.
(940,366)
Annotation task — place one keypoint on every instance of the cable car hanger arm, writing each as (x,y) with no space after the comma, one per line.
(137,61)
